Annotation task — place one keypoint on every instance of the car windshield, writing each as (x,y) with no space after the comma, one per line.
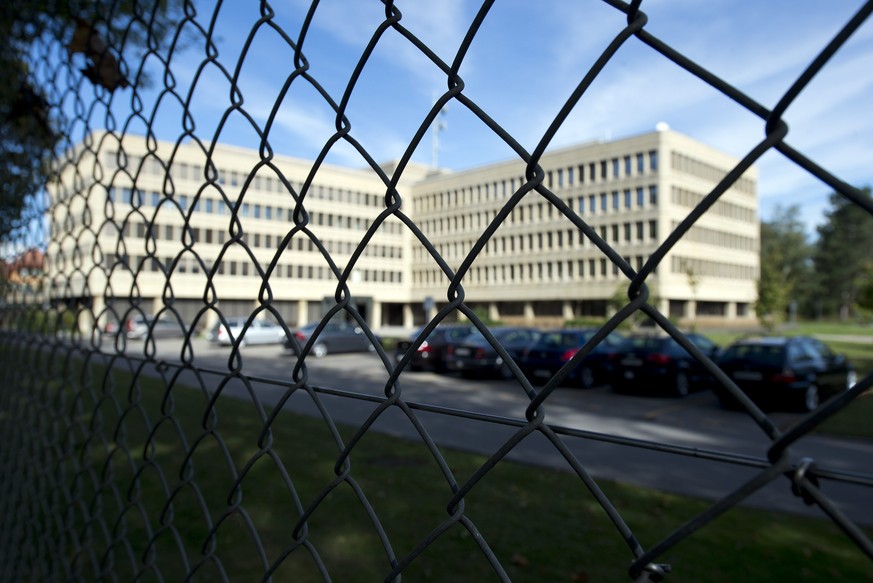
(647,343)
(564,339)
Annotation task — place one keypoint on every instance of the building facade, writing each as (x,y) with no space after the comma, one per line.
(150,224)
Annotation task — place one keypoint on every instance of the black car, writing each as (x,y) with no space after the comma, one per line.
(542,359)
(475,356)
(431,354)
(784,372)
(335,337)
(658,364)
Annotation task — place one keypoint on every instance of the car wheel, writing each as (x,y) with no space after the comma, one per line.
(319,350)
(586,377)
(851,379)
(504,372)
(683,387)
(810,398)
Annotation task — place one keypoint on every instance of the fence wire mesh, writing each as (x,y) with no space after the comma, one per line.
(98,462)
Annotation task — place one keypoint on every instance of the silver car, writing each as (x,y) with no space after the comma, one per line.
(140,327)
(259,332)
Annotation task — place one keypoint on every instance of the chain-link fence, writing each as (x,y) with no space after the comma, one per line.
(119,457)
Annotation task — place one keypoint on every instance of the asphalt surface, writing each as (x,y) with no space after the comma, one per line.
(696,424)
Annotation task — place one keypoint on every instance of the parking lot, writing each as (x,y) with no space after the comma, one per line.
(617,428)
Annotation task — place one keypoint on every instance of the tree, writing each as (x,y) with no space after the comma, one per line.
(842,255)
(785,265)
(90,31)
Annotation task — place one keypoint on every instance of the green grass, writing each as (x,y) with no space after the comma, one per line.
(543,525)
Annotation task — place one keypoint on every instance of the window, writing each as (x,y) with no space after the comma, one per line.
(627,198)
(592,204)
(268,213)
(641,167)
(640,197)
(615,200)
(257,209)
(209,203)
(603,202)
(653,160)
(615,167)
(603,169)
(653,229)
(183,202)
(627,165)
(156,199)
(653,194)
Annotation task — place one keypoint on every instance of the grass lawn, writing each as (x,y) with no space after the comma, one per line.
(543,525)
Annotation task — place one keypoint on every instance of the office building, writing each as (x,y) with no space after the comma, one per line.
(127,218)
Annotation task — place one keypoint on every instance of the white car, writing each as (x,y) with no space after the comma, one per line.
(259,332)
(140,327)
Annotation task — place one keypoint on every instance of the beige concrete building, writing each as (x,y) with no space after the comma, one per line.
(151,224)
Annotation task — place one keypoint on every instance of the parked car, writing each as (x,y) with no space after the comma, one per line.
(474,355)
(431,354)
(259,332)
(140,327)
(784,372)
(335,337)
(658,364)
(542,359)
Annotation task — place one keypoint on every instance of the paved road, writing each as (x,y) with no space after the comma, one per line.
(694,422)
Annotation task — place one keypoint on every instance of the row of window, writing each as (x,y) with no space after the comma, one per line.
(629,232)
(533,273)
(259,241)
(718,238)
(217,206)
(586,173)
(705,268)
(687,198)
(694,167)
(264,183)
(187,264)
(527,214)
(255,211)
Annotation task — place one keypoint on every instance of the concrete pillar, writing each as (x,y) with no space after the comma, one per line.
(493,311)
(408,318)
(211,319)
(91,317)
(567,310)
(529,314)
(375,319)
(302,312)
(691,309)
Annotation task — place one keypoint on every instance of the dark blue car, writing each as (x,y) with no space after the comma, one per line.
(541,360)
(474,355)
(658,364)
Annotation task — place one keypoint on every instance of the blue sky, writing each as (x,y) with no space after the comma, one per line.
(525,62)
